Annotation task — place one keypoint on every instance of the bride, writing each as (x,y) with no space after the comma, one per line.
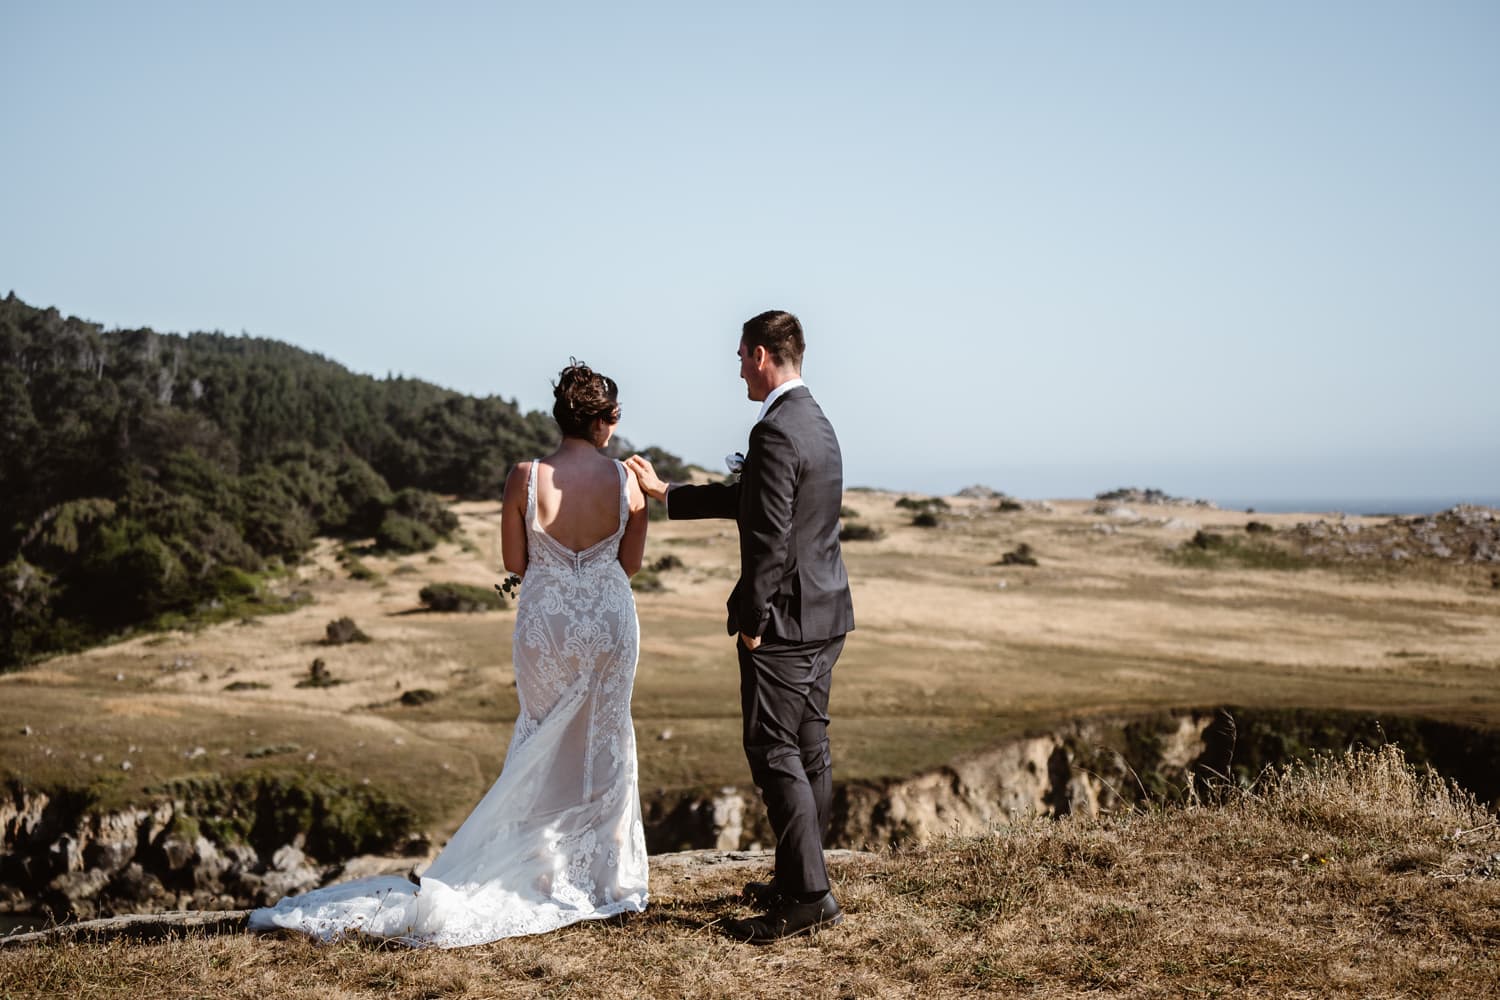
(558,837)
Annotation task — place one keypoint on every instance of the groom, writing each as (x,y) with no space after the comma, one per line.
(791,609)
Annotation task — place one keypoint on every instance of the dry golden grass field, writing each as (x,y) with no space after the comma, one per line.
(952,653)
(1352,878)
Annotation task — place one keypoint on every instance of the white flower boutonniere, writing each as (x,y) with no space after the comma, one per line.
(734,462)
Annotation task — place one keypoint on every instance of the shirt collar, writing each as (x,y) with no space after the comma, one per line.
(775,394)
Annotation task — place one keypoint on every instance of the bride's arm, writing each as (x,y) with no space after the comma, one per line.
(633,545)
(513,519)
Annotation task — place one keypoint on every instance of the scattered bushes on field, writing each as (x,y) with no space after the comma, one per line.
(318,676)
(1021,555)
(647,581)
(858,531)
(923,503)
(343,630)
(460,597)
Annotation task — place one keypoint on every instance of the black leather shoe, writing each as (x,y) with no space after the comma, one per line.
(787,920)
(764,894)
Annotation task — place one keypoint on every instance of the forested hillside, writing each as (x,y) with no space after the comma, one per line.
(148,476)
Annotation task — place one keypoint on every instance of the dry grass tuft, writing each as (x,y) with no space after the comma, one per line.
(1352,876)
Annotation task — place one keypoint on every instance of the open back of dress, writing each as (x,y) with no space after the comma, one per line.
(558,837)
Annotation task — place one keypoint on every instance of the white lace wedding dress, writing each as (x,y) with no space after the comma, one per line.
(558,837)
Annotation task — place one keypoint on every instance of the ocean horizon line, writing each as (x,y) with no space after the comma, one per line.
(1407,506)
(1365,505)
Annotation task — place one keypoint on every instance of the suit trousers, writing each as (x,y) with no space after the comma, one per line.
(784,698)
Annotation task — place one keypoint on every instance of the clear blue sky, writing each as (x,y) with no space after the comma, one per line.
(1240,251)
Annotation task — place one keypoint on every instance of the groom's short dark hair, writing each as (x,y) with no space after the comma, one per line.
(780,334)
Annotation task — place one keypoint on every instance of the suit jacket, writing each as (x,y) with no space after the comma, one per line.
(793,584)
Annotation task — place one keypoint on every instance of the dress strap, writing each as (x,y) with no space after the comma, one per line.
(624,494)
(531,493)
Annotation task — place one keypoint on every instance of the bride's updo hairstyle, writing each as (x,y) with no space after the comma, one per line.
(582,396)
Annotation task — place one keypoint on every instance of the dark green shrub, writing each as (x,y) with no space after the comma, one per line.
(365,496)
(426,508)
(343,630)
(132,575)
(1207,540)
(186,472)
(860,532)
(398,533)
(196,534)
(231,582)
(647,582)
(357,568)
(275,522)
(925,519)
(1021,555)
(1207,550)
(25,611)
(925,504)
(318,676)
(460,597)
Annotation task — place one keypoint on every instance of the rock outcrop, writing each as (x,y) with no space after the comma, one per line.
(71,863)
(1461,534)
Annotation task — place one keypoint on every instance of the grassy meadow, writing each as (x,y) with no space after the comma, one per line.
(954,651)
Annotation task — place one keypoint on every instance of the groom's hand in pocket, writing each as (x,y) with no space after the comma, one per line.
(751,642)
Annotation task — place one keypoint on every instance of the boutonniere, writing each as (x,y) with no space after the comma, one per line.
(734,462)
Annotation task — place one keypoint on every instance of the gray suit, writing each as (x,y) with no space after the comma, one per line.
(793,592)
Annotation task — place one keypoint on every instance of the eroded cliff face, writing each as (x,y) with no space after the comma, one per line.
(213,846)
(245,846)
(1086,767)
(1083,768)
(68,863)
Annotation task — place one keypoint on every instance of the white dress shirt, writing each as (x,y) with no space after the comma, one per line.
(775,394)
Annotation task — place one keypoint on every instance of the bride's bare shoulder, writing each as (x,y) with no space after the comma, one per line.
(515,483)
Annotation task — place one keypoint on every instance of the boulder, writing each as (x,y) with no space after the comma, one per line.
(288,858)
(73,895)
(133,889)
(66,854)
(177,852)
(209,866)
(728,818)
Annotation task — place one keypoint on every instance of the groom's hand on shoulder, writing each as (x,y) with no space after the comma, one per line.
(645,474)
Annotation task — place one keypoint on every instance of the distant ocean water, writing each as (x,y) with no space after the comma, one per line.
(1363,505)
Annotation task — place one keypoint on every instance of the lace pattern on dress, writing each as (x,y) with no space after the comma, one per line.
(558,838)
